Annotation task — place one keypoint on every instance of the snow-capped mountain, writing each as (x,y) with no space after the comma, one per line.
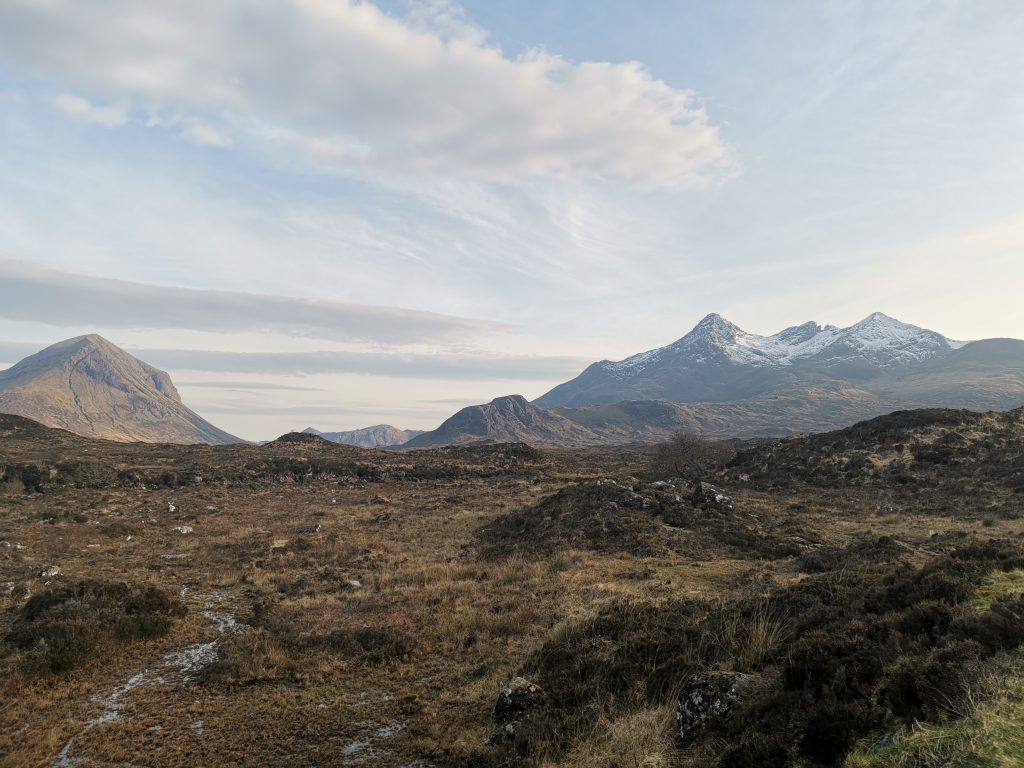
(877,339)
(720,362)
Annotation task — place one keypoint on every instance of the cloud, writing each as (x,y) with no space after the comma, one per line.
(257,386)
(452,366)
(455,366)
(204,134)
(426,94)
(53,297)
(83,109)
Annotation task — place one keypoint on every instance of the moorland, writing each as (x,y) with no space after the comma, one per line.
(851,598)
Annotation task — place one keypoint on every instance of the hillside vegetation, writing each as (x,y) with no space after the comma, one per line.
(305,602)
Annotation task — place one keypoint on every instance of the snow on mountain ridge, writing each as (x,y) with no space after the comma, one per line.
(883,339)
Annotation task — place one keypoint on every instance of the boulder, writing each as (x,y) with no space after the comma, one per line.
(516,699)
(516,703)
(707,495)
(708,697)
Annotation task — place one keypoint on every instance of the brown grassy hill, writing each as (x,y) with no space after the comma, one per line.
(957,458)
(91,387)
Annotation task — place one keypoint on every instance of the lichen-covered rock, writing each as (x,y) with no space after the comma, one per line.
(516,699)
(707,495)
(711,696)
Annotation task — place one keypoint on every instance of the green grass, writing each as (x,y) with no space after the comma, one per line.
(999,584)
(993,737)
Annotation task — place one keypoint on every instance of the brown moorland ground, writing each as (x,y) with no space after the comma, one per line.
(304,603)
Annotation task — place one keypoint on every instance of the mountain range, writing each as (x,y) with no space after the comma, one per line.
(717,380)
(377,436)
(94,388)
(720,380)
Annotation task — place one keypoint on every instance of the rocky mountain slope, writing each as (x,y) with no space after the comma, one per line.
(510,419)
(721,381)
(377,436)
(91,387)
(805,378)
(718,362)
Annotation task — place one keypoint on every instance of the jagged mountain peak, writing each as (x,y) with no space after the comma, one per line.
(714,329)
(797,334)
(718,361)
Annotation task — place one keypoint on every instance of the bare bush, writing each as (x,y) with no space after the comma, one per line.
(690,456)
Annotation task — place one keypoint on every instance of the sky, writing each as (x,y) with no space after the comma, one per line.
(334,213)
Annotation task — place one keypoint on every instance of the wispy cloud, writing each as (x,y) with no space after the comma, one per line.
(82,109)
(40,294)
(258,386)
(427,94)
(451,366)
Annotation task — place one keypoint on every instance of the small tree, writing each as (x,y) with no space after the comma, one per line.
(690,456)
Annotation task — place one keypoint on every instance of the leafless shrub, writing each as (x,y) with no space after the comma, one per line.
(690,456)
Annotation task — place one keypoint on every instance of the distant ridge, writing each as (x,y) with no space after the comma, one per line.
(882,363)
(377,436)
(509,419)
(91,387)
(721,381)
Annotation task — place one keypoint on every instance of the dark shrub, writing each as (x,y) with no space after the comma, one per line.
(1001,628)
(926,622)
(374,645)
(937,686)
(756,750)
(845,661)
(832,728)
(60,628)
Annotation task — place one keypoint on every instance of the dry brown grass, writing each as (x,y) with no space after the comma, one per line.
(285,695)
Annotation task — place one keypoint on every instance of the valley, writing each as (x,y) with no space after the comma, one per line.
(304,602)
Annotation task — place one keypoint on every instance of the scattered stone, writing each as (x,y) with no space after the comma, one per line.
(314,528)
(354,584)
(182,529)
(516,699)
(171,508)
(49,573)
(21,591)
(711,696)
(707,495)
(516,702)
